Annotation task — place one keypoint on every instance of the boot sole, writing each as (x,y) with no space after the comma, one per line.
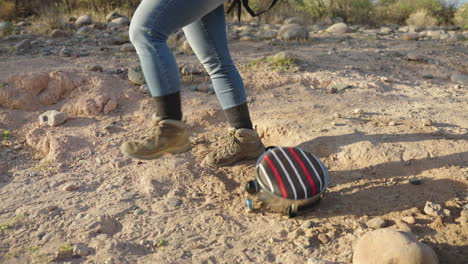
(172,150)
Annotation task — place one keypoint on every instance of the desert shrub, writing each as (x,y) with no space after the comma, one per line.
(357,11)
(422,18)
(7,9)
(398,11)
(461,17)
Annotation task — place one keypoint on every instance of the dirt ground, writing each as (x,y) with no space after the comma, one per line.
(69,185)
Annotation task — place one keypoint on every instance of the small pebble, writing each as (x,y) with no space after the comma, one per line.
(70,187)
(427,122)
(94,67)
(138,212)
(307,225)
(323,238)
(392,123)
(415,181)
(332,90)
(174,202)
(358,111)
(427,76)
(409,220)
(81,251)
(337,115)
(376,223)
(333,123)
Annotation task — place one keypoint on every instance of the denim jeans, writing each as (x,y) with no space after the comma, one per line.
(204,25)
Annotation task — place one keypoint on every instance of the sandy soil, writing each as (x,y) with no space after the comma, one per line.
(175,210)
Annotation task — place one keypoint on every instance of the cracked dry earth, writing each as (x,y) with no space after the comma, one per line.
(69,186)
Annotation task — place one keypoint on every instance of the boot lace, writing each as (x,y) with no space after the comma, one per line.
(152,134)
(228,145)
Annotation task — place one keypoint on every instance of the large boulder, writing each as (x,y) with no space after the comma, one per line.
(59,33)
(112,15)
(338,28)
(120,22)
(83,21)
(389,246)
(293,32)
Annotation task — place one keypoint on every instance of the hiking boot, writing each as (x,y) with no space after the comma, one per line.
(239,144)
(164,136)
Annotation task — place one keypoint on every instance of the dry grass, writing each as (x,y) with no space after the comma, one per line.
(7,9)
(461,17)
(422,18)
(51,14)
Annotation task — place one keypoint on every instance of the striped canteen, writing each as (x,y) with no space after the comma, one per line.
(291,173)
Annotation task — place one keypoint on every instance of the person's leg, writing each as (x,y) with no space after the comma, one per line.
(152,23)
(208,39)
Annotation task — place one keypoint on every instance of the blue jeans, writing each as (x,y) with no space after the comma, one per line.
(204,25)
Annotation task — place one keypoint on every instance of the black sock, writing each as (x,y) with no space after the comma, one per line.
(238,116)
(168,106)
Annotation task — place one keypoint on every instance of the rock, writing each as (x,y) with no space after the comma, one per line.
(307,225)
(358,111)
(292,20)
(389,246)
(385,30)
(409,220)
(293,32)
(174,202)
(59,33)
(434,33)
(459,78)
(189,70)
(319,261)
(65,52)
(83,21)
(414,56)
(52,118)
(336,115)
(62,255)
(106,225)
(120,22)
(415,181)
(392,123)
(112,15)
(332,90)
(410,36)
(135,75)
(144,88)
(81,251)
(47,236)
(427,76)
(70,187)
(84,30)
(23,45)
(94,67)
(376,223)
(127,47)
(338,28)
(323,238)
(433,209)
(185,47)
(426,122)
(341,86)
